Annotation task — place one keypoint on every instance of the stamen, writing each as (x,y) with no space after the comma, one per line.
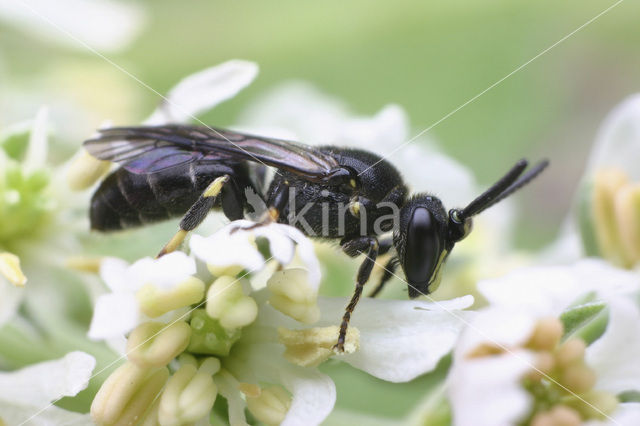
(10,269)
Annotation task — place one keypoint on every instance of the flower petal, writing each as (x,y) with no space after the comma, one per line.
(101,24)
(113,273)
(307,253)
(450,180)
(204,90)
(280,245)
(627,414)
(164,272)
(114,315)
(41,383)
(488,391)
(38,147)
(548,290)
(618,370)
(10,298)
(15,414)
(224,249)
(314,393)
(618,141)
(301,111)
(407,341)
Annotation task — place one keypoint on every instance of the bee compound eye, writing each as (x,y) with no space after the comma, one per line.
(423,247)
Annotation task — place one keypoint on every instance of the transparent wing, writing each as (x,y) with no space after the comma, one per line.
(155,148)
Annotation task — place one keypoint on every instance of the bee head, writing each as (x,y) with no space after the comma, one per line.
(422,242)
(426,234)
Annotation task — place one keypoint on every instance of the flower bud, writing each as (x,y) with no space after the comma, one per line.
(546,334)
(154,344)
(124,398)
(578,377)
(155,301)
(312,346)
(570,351)
(270,406)
(227,303)
(559,415)
(600,405)
(544,363)
(189,395)
(292,295)
(85,170)
(10,269)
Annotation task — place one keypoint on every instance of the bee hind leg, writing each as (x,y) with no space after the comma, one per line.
(196,213)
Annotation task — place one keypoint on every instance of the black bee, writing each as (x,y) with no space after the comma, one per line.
(327,192)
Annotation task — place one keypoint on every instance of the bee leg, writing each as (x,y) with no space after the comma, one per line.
(196,214)
(389,269)
(353,247)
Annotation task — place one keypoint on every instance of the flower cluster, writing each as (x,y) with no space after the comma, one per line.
(527,352)
(246,334)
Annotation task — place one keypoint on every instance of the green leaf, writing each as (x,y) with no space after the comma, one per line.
(15,139)
(629,396)
(587,321)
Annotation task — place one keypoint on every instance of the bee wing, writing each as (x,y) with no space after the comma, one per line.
(154,148)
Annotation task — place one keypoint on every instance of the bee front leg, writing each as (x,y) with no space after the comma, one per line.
(389,271)
(369,246)
(196,214)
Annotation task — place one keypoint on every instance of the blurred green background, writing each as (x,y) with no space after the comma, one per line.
(429,57)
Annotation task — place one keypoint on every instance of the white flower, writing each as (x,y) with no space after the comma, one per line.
(101,24)
(549,290)
(605,218)
(507,348)
(34,235)
(406,342)
(26,395)
(234,245)
(118,311)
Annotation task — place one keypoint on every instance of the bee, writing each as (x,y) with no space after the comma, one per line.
(326,192)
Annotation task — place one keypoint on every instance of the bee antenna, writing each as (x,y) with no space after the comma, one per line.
(488,197)
(507,185)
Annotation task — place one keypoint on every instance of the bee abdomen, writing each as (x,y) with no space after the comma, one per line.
(127,200)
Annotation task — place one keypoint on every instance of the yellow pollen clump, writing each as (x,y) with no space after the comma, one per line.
(312,346)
